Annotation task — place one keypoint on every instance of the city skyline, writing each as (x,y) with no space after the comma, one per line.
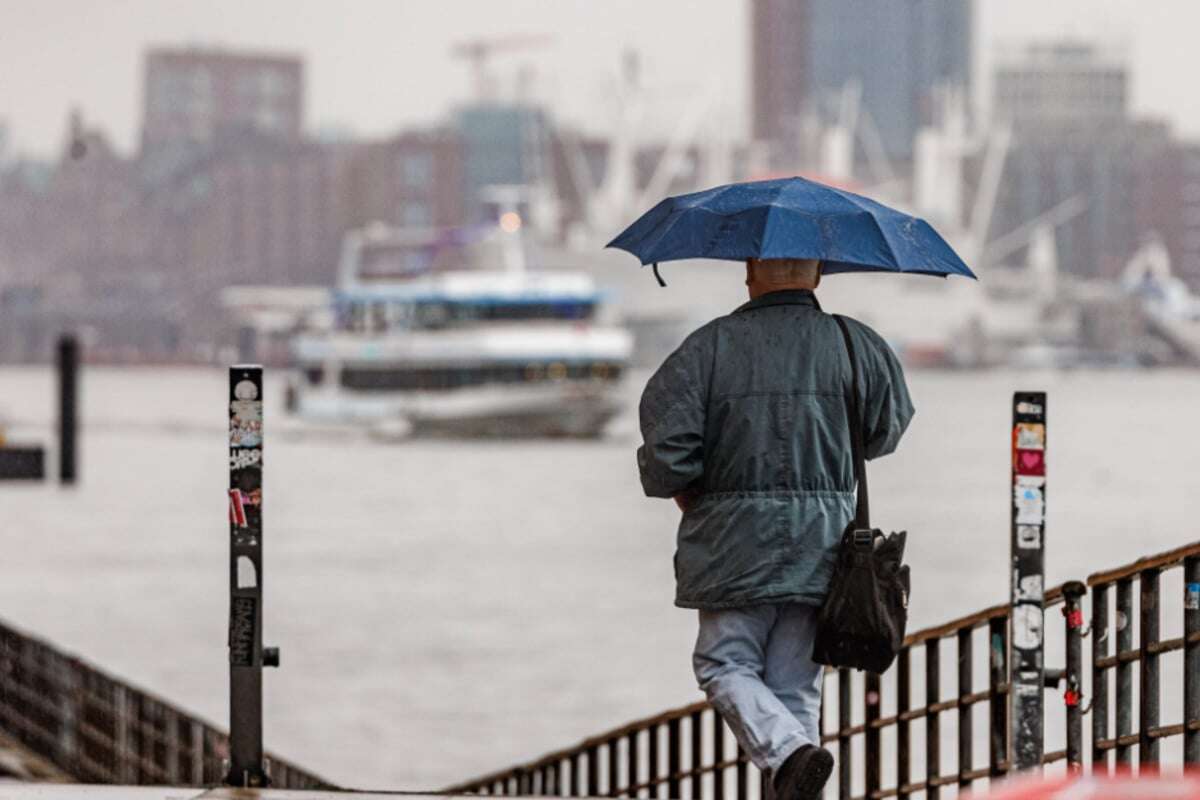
(576,72)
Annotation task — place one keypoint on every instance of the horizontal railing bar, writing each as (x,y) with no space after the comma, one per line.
(940,780)
(917,713)
(1153,648)
(1171,558)
(1057,755)
(1158,732)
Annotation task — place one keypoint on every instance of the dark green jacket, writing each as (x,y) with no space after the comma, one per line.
(751,411)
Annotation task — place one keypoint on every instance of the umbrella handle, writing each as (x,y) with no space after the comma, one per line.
(661,282)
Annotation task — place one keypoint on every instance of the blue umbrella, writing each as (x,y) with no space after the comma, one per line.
(790,218)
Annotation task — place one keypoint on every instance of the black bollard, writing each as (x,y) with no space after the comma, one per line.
(68,411)
(1028,503)
(247,656)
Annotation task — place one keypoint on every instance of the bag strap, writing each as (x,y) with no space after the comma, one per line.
(862,513)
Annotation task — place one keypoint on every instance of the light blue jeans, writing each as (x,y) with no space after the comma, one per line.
(755,664)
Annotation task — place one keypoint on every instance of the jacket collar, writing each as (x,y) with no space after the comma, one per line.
(784,297)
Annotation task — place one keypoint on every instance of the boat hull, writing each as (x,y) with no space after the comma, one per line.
(566,408)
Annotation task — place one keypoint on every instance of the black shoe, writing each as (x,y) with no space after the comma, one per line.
(804,773)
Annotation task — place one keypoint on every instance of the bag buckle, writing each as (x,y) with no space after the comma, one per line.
(864,538)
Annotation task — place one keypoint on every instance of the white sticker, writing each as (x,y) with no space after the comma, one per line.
(245,390)
(243,459)
(1029,537)
(1031,436)
(1027,627)
(1030,505)
(1038,481)
(1025,407)
(1191,597)
(1030,589)
(247,410)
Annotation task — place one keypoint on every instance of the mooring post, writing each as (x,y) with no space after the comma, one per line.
(1100,677)
(247,656)
(1028,504)
(1073,593)
(68,411)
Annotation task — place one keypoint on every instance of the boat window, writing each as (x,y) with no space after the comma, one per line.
(443,378)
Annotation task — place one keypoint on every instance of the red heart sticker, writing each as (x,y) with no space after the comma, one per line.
(1030,462)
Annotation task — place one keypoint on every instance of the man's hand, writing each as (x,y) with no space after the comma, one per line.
(686,499)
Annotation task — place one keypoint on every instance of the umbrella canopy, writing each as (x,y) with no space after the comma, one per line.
(790,218)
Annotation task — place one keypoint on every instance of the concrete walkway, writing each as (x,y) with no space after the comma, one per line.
(18,790)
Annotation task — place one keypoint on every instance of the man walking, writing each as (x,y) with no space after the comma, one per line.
(745,426)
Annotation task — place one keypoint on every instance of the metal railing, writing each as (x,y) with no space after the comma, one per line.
(689,752)
(98,729)
(1145,659)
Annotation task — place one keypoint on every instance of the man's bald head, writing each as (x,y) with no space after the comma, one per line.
(778,274)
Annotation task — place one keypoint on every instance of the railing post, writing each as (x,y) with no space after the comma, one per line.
(697,757)
(872,703)
(718,733)
(196,756)
(171,725)
(997,698)
(1124,668)
(1027,672)
(593,768)
(652,761)
(1100,681)
(614,768)
(1149,699)
(903,726)
(742,790)
(843,756)
(1191,660)
(965,738)
(246,654)
(631,763)
(933,738)
(67,678)
(1073,613)
(674,759)
(120,736)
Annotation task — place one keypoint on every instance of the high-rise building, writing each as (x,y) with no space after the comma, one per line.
(779,78)
(805,53)
(1060,84)
(1167,197)
(199,97)
(1072,138)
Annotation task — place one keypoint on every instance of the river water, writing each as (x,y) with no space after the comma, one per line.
(445,608)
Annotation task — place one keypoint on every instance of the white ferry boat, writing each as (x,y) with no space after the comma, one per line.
(458,337)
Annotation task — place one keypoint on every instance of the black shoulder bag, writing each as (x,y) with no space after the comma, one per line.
(861,624)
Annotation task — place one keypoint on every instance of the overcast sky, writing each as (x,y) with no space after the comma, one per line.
(378,65)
